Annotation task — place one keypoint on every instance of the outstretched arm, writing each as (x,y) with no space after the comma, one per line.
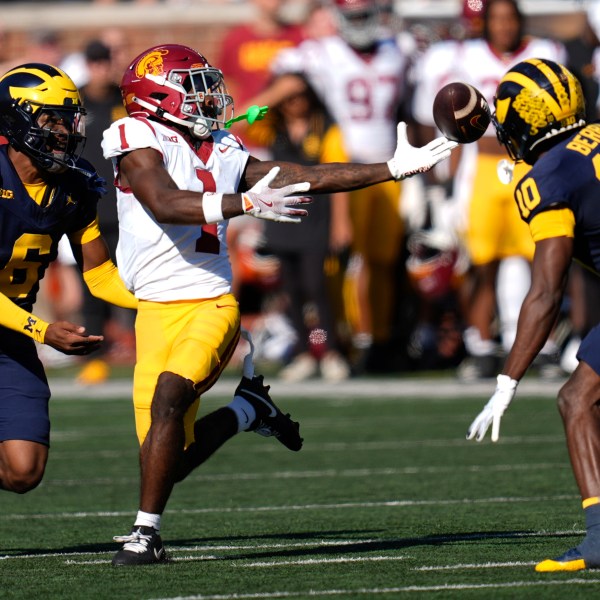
(541,306)
(342,177)
(144,172)
(536,320)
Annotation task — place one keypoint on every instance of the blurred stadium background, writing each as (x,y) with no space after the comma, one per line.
(201,23)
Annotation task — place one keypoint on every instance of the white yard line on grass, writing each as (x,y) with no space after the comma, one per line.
(321,474)
(315,545)
(321,561)
(499,565)
(298,507)
(369,592)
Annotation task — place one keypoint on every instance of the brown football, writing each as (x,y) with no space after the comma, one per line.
(460,112)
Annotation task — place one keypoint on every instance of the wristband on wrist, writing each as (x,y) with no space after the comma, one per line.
(212,207)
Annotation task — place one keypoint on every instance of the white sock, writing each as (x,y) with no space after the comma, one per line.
(244,412)
(147,520)
(512,285)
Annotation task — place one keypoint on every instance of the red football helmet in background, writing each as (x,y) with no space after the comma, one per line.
(432,263)
(176,84)
(472,17)
(358,22)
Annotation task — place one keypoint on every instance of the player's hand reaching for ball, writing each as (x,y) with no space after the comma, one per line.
(408,160)
(71,339)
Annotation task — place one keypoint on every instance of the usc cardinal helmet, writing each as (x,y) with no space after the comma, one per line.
(177,85)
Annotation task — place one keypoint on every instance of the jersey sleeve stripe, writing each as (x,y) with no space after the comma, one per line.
(553,223)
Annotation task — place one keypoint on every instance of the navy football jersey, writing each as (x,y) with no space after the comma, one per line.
(568,176)
(29,233)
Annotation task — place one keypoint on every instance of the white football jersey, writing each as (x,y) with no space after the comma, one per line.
(473,61)
(163,262)
(361,94)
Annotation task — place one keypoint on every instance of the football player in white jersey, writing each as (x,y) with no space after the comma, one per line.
(497,241)
(360,76)
(180,176)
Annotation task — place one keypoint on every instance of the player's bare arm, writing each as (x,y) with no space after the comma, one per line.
(537,317)
(91,254)
(541,306)
(144,173)
(407,161)
(323,178)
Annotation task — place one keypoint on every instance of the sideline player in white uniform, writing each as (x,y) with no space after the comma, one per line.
(179,177)
(361,79)
(498,243)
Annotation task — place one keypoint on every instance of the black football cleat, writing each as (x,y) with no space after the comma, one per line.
(142,546)
(270,421)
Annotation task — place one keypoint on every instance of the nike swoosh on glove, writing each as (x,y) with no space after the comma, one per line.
(276,204)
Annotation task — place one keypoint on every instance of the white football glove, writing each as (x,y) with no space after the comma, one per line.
(273,204)
(409,160)
(492,412)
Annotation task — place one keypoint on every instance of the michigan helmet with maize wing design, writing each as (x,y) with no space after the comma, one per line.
(41,115)
(175,84)
(538,102)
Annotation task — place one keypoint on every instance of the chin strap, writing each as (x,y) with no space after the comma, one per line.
(200,128)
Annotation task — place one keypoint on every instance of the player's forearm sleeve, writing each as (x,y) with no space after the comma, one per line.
(104,282)
(15,318)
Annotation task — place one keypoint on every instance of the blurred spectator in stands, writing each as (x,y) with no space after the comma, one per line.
(42,45)
(103,103)
(320,20)
(248,49)
(583,60)
(298,129)
(360,76)
(244,57)
(75,63)
(498,242)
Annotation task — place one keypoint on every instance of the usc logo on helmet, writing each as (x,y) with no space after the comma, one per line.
(151,64)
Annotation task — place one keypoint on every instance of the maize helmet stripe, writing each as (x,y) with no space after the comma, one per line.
(559,72)
(546,82)
(43,84)
(536,100)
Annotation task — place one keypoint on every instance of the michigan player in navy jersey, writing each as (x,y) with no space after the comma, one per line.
(46,192)
(540,119)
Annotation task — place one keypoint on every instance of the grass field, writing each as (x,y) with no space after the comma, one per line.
(386,500)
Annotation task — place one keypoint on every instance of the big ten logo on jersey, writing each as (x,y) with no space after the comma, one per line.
(173,139)
(6,194)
